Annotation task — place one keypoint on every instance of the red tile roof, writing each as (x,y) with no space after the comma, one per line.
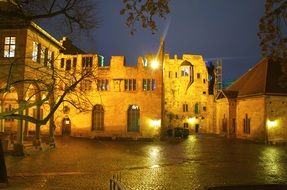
(264,78)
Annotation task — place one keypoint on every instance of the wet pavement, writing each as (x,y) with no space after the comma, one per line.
(195,163)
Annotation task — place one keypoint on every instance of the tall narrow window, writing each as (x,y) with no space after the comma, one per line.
(49,59)
(246,124)
(102,85)
(87,62)
(68,65)
(196,108)
(134,84)
(148,85)
(185,107)
(133,118)
(144,84)
(35,52)
(98,117)
(62,62)
(74,62)
(9,46)
(42,55)
(130,84)
(153,85)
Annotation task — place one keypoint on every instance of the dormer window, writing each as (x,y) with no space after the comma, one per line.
(185,71)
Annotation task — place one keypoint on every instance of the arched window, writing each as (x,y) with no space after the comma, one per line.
(98,118)
(133,118)
(196,108)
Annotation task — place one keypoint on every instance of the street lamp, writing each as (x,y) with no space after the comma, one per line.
(154,64)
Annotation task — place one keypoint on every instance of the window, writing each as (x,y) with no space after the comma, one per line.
(68,65)
(35,51)
(204,92)
(196,108)
(184,71)
(50,58)
(86,85)
(169,74)
(98,117)
(133,118)
(62,63)
(149,84)
(144,85)
(185,107)
(102,85)
(87,62)
(198,75)
(246,124)
(8,109)
(134,84)
(9,46)
(130,84)
(204,108)
(185,125)
(43,56)
(74,62)
(153,85)
(175,74)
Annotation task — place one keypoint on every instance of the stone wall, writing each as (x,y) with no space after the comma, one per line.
(276,118)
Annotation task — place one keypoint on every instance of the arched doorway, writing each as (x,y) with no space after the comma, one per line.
(66,126)
(98,118)
(133,118)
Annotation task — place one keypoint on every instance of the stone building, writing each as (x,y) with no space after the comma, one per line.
(188,103)
(126,100)
(25,47)
(254,106)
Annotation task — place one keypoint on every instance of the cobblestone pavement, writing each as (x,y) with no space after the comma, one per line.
(195,163)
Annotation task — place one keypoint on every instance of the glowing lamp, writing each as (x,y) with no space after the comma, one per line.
(154,64)
(271,124)
(155,123)
(67,122)
(191,120)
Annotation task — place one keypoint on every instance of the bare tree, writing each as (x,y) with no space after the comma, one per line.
(81,14)
(144,12)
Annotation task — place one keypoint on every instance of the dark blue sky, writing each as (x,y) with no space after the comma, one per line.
(213,28)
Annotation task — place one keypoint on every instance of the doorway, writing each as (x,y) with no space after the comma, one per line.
(196,128)
(66,126)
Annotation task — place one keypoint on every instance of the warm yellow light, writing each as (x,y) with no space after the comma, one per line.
(67,122)
(271,123)
(155,123)
(154,64)
(191,120)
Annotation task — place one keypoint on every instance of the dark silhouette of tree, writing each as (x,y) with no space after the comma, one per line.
(273,34)
(144,12)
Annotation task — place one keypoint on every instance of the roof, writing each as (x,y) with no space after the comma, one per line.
(70,48)
(263,79)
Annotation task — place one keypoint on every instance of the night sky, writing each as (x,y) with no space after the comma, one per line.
(213,28)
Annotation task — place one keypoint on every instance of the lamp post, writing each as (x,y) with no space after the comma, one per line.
(155,64)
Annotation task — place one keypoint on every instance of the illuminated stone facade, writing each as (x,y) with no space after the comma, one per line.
(126,101)
(129,101)
(254,107)
(187,100)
